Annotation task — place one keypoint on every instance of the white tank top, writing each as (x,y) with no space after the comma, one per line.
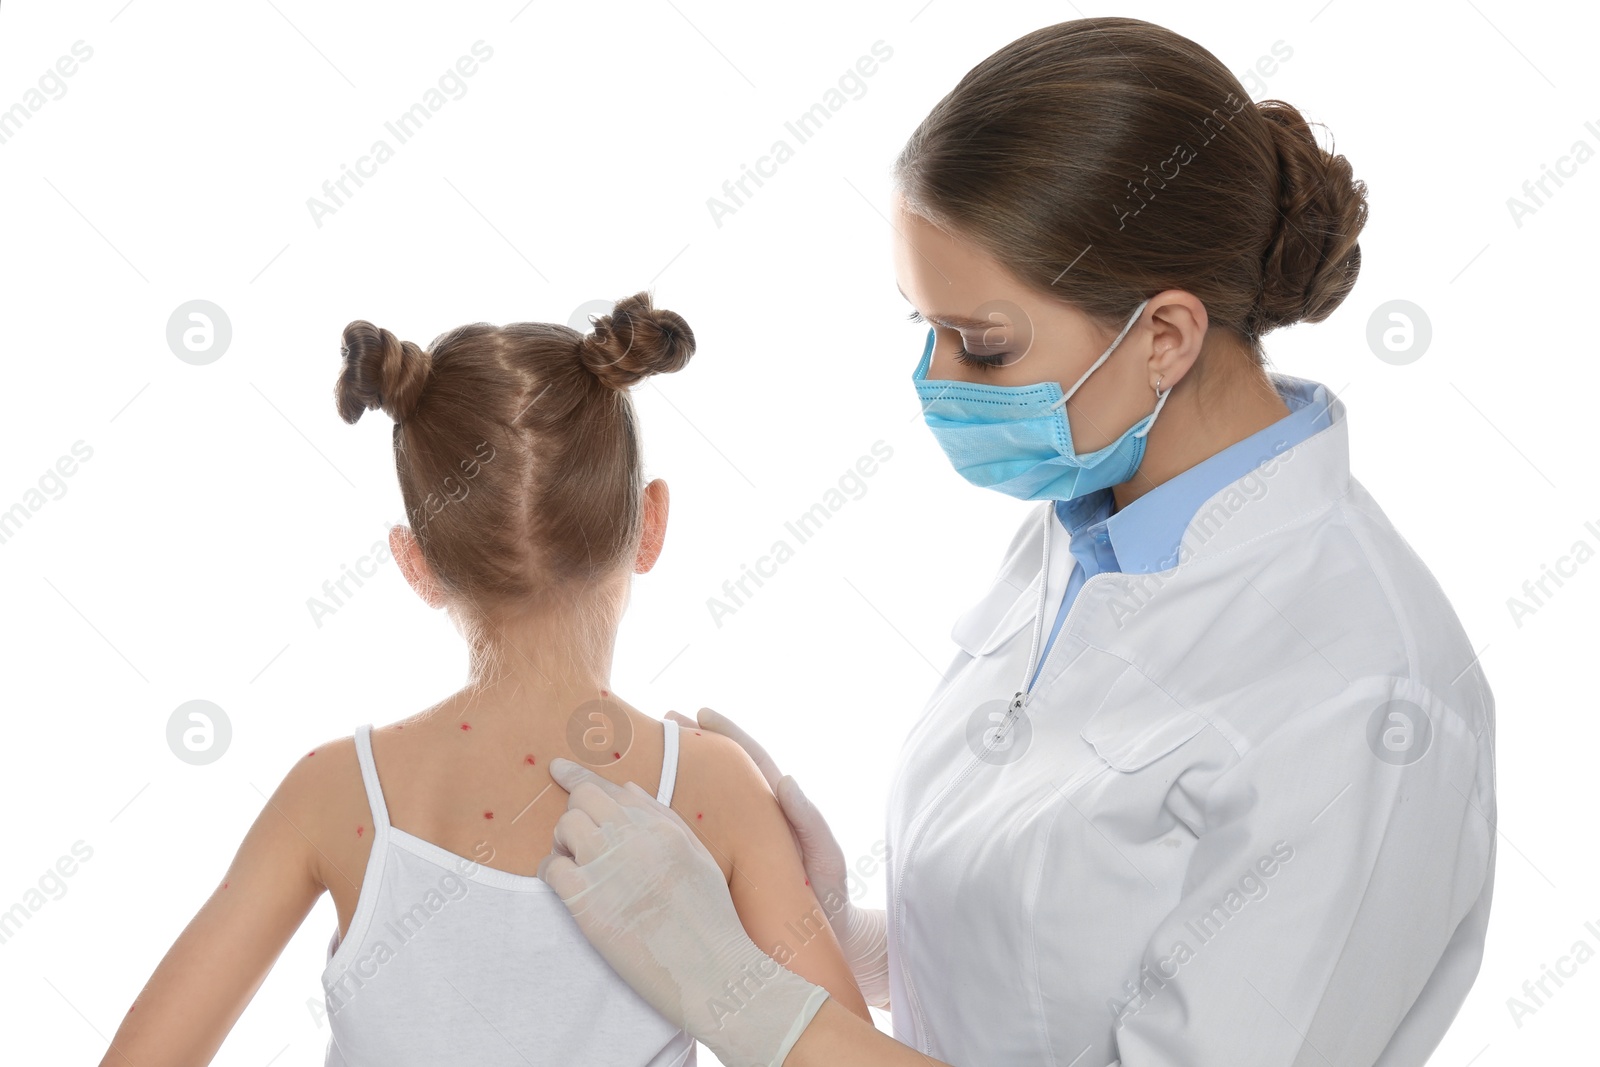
(449,961)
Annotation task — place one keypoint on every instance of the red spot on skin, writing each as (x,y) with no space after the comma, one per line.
(466,726)
(224,885)
(697,733)
(616,755)
(604,693)
(360,830)
(529,760)
(808,881)
(488,815)
(313,752)
(399,727)
(699,815)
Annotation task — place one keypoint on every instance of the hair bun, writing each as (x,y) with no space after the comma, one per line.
(635,341)
(380,371)
(1310,264)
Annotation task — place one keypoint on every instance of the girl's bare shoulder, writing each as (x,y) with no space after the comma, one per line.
(720,792)
(324,798)
(325,785)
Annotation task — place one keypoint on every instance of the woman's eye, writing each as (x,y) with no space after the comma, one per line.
(970,359)
(983,362)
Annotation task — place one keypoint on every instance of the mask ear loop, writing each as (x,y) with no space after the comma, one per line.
(1104,355)
(1161,398)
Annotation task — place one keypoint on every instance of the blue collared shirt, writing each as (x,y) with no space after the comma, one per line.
(1144,537)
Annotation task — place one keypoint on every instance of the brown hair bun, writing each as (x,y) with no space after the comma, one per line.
(1311,263)
(380,371)
(635,341)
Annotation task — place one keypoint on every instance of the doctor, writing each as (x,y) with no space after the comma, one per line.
(1210,778)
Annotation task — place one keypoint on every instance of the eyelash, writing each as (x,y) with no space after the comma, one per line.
(962,355)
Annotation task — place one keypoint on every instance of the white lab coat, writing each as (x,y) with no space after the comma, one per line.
(1207,840)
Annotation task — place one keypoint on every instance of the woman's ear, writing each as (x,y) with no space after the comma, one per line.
(655,526)
(1178,323)
(408,553)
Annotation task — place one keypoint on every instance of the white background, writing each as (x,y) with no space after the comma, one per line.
(177,563)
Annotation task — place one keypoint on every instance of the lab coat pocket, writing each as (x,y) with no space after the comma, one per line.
(1137,723)
(1003,611)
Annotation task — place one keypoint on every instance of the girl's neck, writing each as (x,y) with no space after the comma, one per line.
(519,709)
(530,689)
(537,669)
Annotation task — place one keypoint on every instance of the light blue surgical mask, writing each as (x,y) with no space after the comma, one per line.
(1016,439)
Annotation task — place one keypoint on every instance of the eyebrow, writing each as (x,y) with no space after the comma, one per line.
(951,322)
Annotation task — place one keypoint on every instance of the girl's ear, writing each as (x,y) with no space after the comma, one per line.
(408,554)
(655,526)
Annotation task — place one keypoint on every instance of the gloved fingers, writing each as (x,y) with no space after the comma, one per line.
(819,849)
(577,836)
(644,800)
(561,873)
(605,802)
(588,791)
(720,723)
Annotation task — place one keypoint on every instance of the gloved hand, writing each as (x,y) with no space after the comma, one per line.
(862,933)
(653,902)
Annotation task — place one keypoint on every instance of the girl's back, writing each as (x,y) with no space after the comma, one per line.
(448,958)
(518,457)
(448,948)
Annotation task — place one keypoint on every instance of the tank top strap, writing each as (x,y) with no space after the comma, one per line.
(669,761)
(369,776)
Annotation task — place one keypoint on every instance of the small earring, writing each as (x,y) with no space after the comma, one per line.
(1158,383)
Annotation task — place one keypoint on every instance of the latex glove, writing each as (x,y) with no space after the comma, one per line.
(862,933)
(653,902)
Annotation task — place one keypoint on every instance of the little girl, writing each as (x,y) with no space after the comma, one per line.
(517,451)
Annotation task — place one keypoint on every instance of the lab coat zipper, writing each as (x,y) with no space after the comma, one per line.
(1019,701)
(1018,704)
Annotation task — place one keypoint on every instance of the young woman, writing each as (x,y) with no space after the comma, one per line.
(1210,778)
(518,455)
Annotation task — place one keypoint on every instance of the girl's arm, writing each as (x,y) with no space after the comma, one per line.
(768,882)
(219,961)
